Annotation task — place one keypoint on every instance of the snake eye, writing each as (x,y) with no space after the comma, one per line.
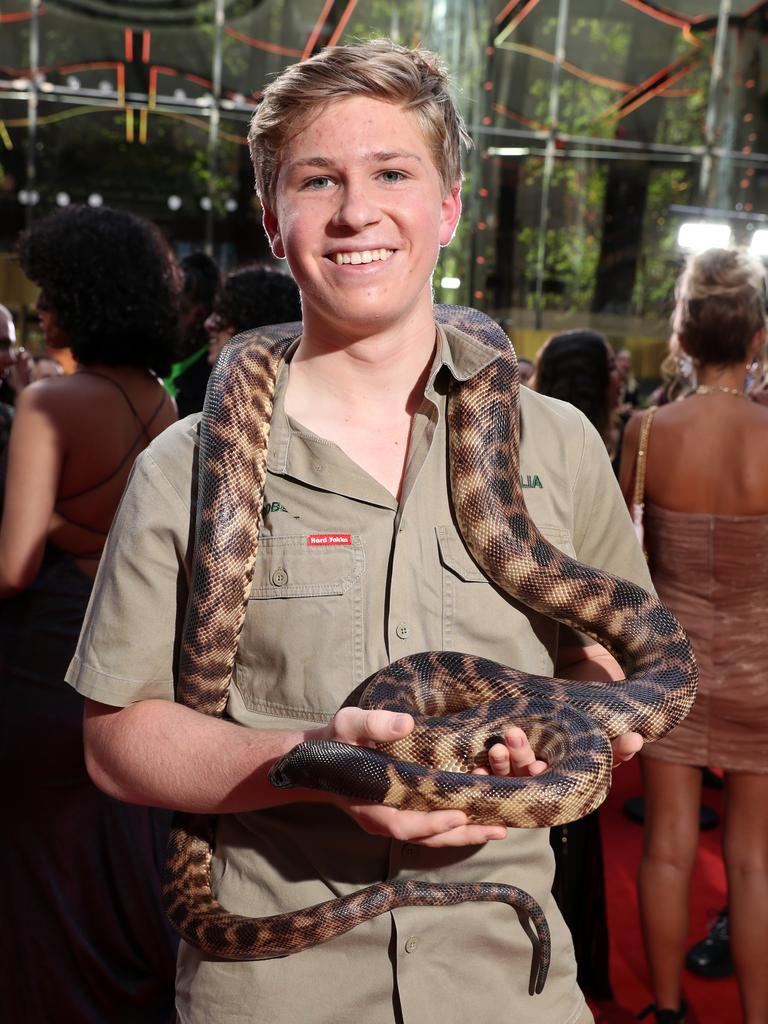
(278,777)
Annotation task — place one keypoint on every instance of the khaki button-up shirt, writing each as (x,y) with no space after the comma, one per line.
(348,579)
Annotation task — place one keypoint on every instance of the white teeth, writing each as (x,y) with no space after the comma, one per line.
(366,256)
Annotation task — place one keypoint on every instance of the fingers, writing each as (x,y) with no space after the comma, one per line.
(355,725)
(515,756)
(626,746)
(426,828)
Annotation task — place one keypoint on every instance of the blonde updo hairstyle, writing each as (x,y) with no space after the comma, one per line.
(412,79)
(720,306)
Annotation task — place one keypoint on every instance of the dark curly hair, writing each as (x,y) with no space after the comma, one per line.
(256,296)
(109,278)
(575,366)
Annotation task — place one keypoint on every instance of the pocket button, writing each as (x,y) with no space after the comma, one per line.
(279,578)
(402,630)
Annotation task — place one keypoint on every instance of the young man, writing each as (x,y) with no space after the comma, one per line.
(356,154)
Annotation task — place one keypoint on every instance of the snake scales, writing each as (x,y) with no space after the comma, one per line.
(461,702)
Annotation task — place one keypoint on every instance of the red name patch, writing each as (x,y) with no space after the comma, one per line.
(318,540)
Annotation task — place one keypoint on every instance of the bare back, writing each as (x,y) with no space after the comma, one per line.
(706,454)
(105,417)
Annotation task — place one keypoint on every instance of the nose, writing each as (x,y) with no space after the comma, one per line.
(357,207)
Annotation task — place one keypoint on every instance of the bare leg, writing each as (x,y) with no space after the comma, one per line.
(670,841)
(745,848)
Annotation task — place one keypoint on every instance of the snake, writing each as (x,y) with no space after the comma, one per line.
(461,703)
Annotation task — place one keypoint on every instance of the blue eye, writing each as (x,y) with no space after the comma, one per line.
(318,183)
(392,176)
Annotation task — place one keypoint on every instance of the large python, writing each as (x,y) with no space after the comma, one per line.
(462,703)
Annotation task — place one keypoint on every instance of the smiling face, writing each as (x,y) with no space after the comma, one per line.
(360,216)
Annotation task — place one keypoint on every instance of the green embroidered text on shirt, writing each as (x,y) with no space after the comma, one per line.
(531,480)
(274,506)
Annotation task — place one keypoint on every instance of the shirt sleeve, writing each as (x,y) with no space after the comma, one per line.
(603,534)
(128,645)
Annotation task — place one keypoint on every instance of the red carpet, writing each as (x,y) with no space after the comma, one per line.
(710,1002)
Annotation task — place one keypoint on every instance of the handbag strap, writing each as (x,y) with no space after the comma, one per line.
(642,451)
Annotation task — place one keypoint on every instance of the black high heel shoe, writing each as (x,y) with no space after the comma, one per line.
(665,1016)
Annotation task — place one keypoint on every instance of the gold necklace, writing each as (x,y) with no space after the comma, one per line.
(711,389)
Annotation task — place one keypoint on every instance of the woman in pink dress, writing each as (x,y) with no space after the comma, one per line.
(706,528)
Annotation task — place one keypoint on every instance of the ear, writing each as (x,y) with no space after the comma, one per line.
(272,228)
(756,344)
(450,212)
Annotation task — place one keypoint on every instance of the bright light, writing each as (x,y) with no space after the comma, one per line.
(73,82)
(174,202)
(699,235)
(179,94)
(62,199)
(95,200)
(230,205)
(508,151)
(206,203)
(758,245)
(450,282)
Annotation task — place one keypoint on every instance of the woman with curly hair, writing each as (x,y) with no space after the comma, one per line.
(80,870)
(251,297)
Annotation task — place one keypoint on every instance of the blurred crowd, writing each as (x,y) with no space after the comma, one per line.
(145,330)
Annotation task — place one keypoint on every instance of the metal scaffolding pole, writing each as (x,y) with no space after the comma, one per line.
(213,123)
(32,101)
(715,88)
(549,159)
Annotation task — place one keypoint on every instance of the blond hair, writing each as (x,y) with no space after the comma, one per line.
(720,305)
(413,79)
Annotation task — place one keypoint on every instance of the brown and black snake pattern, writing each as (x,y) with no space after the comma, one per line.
(461,702)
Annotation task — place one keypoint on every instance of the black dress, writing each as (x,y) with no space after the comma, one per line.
(84,937)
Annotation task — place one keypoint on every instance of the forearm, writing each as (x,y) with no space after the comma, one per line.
(162,754)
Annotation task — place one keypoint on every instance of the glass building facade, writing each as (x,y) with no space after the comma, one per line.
(599,128)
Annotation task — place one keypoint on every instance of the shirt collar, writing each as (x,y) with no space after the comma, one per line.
(463,355)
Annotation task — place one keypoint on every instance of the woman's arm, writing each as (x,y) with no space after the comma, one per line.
(35,457)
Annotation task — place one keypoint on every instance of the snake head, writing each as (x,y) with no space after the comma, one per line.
(278,776)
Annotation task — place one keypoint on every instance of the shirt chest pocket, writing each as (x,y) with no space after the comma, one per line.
(301,647)
(478,616)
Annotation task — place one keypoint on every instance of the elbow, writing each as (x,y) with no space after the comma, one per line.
(101,748)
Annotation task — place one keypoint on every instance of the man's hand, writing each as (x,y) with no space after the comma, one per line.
(427,828)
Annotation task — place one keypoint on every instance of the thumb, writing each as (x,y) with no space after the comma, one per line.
(356,725)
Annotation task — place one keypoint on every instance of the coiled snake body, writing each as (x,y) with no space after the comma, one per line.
(461,703)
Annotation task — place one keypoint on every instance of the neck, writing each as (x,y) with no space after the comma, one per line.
(379,370)
(721,376)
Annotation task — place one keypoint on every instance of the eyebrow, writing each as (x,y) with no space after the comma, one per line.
(378,156)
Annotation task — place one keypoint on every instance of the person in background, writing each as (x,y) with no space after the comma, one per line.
(189,375)
(251,297)
(629,390)
(577,367)
(84,937)
(45,366)
(706,529)
(525,368)
(8,355)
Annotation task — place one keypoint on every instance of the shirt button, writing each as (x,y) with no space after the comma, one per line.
(402,630)
(411,944)
(279,577)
